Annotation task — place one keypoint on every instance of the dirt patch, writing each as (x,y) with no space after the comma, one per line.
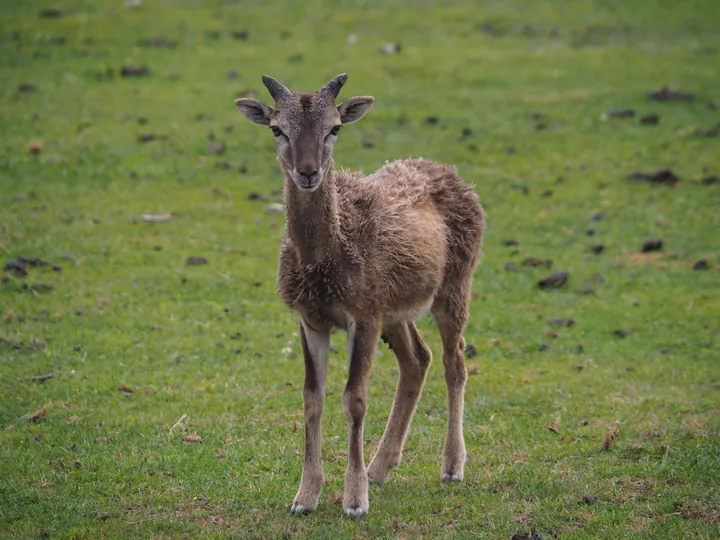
(699,511)
(20,265)
(40,413)
(611,437)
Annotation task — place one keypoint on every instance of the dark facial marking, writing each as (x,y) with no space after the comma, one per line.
(306,102)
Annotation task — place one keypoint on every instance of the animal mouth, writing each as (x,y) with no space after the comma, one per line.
(307,185)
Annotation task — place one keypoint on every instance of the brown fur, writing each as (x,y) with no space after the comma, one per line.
(370,254)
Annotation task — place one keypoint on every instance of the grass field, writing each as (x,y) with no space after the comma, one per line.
(606,428)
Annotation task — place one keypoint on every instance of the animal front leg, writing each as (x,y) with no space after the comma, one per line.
(363,337)
(316,346)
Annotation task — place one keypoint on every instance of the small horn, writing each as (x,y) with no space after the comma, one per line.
(275,87)
(333,87)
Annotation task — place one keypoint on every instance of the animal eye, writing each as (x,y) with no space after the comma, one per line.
(277,131)
(335,130)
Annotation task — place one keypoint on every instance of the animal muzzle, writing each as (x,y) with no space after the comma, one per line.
(307,179)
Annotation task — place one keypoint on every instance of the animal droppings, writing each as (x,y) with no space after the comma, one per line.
(650,120)
(562,322)
(668,94)
(554,281)
(534,262)
(134,71)
(660,176)
(656,244)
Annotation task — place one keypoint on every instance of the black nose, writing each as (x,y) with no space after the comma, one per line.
(309,175)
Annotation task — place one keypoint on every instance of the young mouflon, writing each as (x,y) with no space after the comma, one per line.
(369,254)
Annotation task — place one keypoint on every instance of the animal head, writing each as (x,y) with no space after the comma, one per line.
(305,126)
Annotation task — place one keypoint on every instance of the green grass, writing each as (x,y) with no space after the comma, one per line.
(635,449)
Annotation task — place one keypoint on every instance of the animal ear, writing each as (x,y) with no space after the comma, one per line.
(354,108)
(254,110)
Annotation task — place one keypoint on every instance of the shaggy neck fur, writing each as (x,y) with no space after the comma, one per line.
(312,222)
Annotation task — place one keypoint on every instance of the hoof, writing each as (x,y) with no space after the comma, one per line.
(299,509)
(376,477)
(378,481)
(451,477)
(355,511)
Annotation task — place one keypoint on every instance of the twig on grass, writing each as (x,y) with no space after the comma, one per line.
(178,424)
(42,378)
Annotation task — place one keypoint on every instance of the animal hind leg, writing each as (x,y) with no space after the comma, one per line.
(413,358)
(451,314)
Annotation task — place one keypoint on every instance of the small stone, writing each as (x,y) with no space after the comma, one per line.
(702,264)
(275,208)
(597,248)
(510,267)
(390,48)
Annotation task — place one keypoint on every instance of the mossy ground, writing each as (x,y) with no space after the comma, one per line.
(135,339)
